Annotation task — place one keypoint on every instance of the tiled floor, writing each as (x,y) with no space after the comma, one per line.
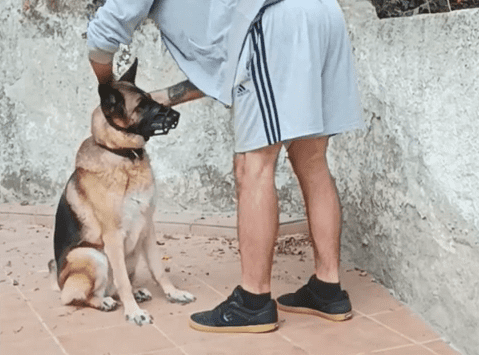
(203,258)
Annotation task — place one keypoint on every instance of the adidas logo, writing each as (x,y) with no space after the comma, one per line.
(241,90)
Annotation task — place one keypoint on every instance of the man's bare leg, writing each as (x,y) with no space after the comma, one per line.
(257,216)
(308,157)
(322,295)
(250,307)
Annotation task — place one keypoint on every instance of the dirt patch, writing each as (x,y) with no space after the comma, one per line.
(296,244)
(402,8)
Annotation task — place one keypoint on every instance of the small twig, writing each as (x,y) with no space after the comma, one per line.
(19,330)
(449,5)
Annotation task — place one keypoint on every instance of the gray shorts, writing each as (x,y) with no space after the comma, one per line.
(295,76)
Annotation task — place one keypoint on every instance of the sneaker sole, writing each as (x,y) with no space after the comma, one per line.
(261,328)
(302,310)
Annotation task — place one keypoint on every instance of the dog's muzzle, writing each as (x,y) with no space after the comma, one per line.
(157,120)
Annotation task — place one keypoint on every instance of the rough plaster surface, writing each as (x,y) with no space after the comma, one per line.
(409,183)
(47,94)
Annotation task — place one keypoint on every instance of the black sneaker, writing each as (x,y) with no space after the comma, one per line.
(232,317)
(306,301)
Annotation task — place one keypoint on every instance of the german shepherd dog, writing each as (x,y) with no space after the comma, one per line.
(104,220)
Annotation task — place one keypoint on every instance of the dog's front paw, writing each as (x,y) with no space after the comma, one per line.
(142,295)
(108,304)
(178,296)
(139,317)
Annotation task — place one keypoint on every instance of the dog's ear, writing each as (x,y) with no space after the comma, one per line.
(112,101)
(130,74)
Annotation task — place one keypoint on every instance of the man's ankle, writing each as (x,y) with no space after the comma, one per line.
(253,301)
(324,290)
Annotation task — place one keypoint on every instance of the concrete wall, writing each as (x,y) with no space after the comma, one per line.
(47,94)
(409,183)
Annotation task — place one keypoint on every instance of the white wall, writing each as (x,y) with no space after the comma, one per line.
(409,184)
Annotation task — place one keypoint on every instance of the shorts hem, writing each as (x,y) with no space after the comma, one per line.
(294,137)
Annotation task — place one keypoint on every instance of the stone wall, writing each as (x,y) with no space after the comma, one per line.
(410,184)
(47,94)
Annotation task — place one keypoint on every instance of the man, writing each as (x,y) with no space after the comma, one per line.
(287,68)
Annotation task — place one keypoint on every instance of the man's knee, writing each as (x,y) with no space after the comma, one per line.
(308,156)
(256,166)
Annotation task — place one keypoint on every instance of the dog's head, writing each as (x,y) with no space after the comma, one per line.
(128,115)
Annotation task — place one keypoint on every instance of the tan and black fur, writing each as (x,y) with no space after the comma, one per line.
(104,221)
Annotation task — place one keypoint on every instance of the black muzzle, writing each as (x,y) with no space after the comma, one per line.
(156,120)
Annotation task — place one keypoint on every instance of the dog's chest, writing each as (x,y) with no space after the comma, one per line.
(137,215)
(138,204)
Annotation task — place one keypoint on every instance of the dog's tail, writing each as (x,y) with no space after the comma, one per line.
(52,268)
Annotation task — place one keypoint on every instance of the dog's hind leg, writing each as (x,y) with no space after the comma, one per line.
(85,279)
(52,269)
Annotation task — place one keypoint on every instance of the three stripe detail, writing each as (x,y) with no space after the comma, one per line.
(263,87)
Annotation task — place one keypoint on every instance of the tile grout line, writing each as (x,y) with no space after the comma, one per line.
(291,342)
(203,282)
(44,325)
(400,334)
(168,338)
(396,348)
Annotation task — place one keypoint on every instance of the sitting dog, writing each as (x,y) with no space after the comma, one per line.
(104,220)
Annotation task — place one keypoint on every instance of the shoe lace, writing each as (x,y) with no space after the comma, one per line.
(223,306)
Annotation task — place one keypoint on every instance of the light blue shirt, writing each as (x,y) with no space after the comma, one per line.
(205,37)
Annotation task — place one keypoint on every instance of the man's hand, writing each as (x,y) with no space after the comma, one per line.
(177,94)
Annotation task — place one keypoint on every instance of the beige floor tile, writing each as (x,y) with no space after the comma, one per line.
(6,286)
(223,277)
(17,321)
(175,351)
(351,337)
(44,300)
(33,280)
(289,273)
(264,344)
(294,320)
(440,347)
(65,320)
(405,322)
(206,298)
(30,346)
(407,350)
(123,339)
(177,329)
(193,252)
(372,298)
(351,277)
(284,284)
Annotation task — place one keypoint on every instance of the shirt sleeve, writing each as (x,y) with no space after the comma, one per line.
(114,23)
